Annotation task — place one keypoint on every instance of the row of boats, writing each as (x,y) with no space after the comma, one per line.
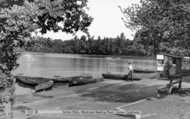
(41,83)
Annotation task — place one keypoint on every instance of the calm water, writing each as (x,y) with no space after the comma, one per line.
(49,65)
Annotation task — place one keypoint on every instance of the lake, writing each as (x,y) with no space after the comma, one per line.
(50,65)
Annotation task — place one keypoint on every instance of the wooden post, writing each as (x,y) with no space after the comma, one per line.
(7,109)
(8,100)
(171,80)
(180,84)
(7,105)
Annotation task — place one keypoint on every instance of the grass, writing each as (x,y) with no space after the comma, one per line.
(121,93)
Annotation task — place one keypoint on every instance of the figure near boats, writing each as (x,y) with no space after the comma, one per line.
(130,73)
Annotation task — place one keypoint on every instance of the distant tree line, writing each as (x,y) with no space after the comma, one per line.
(120,45)
(89,45)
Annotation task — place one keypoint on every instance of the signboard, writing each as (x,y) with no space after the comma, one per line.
(160,57)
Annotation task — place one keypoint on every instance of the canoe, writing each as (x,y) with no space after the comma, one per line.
(115,76)
(44,86)
(83,80)
(31,80)
(59,79)
(82,76)
(143,71)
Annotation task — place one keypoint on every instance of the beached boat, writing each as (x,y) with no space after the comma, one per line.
(115,76)
(62,79)
(44,86)
(31,80)
(83,80)
(143,71)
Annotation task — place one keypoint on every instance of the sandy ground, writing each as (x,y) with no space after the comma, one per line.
(102,100)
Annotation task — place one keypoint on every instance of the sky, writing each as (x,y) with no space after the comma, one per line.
(107,20)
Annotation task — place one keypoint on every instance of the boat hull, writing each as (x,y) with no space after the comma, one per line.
(61,80)
(83,80)
(31,80)
(115,76)
(44,86)
(143,71)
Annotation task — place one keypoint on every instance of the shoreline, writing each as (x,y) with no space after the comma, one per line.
(98,55)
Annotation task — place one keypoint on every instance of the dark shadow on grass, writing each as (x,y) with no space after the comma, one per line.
(182,92)
(121,93)
(145,75)
(175,91)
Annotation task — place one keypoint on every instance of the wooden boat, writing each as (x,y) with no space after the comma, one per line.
(31,80)
(62,79)
(82,76)
(83,80)
(44,86)
(114,76)
(143,71)
(59,79)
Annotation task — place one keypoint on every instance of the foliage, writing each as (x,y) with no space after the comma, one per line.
(161,23)
(15,26)
(87,45)
(19,18)
(10,3)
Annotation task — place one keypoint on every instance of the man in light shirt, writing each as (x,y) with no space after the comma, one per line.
(130,67)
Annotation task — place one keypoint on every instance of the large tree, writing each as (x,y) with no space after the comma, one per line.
(164,24)
(18,18)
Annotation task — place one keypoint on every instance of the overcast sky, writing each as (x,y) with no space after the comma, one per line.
(107,19)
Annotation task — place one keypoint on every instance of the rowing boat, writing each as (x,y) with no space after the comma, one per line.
(44,86)
(59,79)
(115,76)
(143,71)
(31,80)
(83,80)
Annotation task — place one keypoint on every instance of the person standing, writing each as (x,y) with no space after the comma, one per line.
(130,74)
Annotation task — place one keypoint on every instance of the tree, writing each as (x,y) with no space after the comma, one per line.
(9,3)
(17,21)
(163,21)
